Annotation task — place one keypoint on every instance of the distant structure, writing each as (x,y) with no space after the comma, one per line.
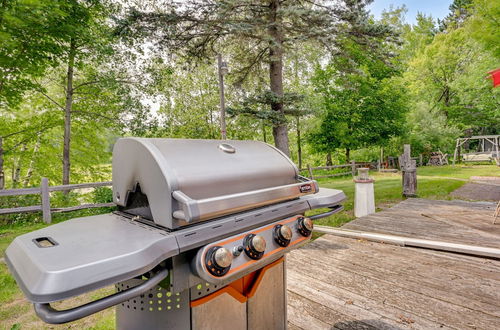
(486,148)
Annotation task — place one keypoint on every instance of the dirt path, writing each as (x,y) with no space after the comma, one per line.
(478,192)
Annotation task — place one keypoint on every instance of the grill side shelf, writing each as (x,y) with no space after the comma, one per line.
(91,252)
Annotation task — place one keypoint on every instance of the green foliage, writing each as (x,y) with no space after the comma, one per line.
(364,103)
(103,195)
(429,130)
(484,25)
(450,76)
(257,106)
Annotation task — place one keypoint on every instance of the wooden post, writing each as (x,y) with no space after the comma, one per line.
(409,173)
(420,160)
(44,193)
(309,168)
(353,168)
(2,178)
(456,152)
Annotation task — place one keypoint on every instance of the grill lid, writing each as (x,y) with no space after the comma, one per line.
(187,181)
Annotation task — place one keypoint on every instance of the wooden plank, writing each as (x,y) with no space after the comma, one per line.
(331,167)
(453,221)
(22,209)
(353,304)
(82,207)
(397,295)
(32,191)
(417,276)
(19,192)
(80,186)
(309,168)
(414,242)
(319,316)
(330,175)
(45,197)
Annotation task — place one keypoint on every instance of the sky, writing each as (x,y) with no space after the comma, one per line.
(436,8)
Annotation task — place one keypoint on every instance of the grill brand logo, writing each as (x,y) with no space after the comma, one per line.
(305,188)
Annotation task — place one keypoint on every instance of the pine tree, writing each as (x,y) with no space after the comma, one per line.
(264,31)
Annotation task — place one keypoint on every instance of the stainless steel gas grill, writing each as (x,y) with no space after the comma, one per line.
(198,241)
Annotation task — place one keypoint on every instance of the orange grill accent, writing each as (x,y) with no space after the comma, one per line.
(242,289)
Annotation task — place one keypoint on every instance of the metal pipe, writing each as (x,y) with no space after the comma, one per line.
(222,100)
(53,316)
(413,242)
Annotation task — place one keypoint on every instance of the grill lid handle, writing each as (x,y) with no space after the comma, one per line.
(192,210)
(53,316)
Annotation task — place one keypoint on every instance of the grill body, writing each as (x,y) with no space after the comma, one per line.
(199,239)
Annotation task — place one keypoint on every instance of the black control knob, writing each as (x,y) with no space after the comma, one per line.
(218,260)
(255,245)
(282,234)
(305,226)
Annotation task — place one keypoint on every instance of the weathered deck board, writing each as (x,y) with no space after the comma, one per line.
(343,283)
(451,221)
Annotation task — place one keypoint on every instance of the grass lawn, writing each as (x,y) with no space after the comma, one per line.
(433,183)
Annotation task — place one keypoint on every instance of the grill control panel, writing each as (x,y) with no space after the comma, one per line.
(236,256)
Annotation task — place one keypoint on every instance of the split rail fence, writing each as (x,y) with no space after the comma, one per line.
(44,191)
(348,169)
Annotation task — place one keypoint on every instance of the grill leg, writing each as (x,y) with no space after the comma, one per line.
(266,309)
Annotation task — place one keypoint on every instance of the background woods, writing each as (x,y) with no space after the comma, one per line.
(324,81)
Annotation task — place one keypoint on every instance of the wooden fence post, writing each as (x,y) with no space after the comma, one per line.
(45,196)
(353,168)
(409,173)
(421,160)
(309,168)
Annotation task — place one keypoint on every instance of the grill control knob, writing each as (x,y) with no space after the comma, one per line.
(305,226)
(255,245)
(218,260)
(282,235)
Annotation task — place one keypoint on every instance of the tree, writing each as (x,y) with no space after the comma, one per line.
(364,103)
(460,10)
(33,34)
(450,75)
(484,25)
(265,31)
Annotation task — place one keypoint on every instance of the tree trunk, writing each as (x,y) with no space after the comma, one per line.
(2,175)
(299,144)
(347,155)
(280,131)
(67,113)
(16,168)
(329,161)
(29,173)
(264,135)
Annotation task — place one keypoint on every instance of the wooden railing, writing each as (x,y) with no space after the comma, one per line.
(44,191)
(350,169)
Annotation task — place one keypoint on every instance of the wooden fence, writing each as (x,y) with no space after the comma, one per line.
(44,191)
(350,169)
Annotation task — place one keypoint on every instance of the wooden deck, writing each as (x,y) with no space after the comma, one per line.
(344,283)
(450,221)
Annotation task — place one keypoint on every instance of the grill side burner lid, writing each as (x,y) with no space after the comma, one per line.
(181,181)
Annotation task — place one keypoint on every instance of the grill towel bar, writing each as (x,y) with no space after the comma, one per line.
(333,210)
(53,316)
